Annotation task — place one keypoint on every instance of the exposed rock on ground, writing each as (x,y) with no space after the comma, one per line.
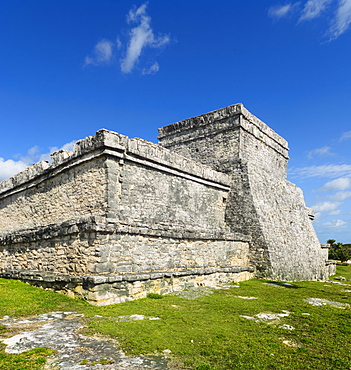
(267,317)
(324,302)
(58,331)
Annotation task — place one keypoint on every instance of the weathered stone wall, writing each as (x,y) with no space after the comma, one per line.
(100,260)
(152,197)
(261,203)
(220,138)
(118,207)
(71,193)
(137,182)
(96,245)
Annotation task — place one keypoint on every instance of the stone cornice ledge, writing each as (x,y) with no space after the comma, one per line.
(217,115)
(114,226)
(111,143)
(111,278)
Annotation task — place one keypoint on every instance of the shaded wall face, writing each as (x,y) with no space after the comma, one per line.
(255,151)
(283,225)
(293,246)
(213,145)
(221,144)
(156,199)
(74,193)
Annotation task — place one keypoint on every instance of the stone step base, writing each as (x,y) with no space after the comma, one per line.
(103,290)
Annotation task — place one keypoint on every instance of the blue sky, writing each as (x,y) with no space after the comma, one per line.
(71,67)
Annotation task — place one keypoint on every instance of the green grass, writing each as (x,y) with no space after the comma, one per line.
(343,269)
(209,333)
(29,360)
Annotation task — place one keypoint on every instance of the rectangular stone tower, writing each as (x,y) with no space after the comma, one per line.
(262,203)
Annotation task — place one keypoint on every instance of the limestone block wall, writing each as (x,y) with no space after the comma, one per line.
(96,245)
(294,250)
(55,197)
(118,207)
(261,203)
(104,262)
(152,197)
(69,248)
(144,253)
(137,182)
(220,138)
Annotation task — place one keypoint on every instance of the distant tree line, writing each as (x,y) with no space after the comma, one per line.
(339,251)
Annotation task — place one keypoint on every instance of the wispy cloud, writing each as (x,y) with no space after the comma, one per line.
(10,167)
(281,11)
(338,10)
(102,53)
(153,69)
(325,206)
(140,37)
(68,146)
(340,196)
(342,20)
(335,224)
(327,170)
(341,183)
(324,151)
(345,135)
(314,8)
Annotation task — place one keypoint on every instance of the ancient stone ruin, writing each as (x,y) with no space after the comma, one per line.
(121,217)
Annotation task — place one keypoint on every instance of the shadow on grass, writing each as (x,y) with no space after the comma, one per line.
(285,285)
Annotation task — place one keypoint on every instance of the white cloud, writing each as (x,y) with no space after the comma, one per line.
(153,69)
(33,151)
(335,224)
(342,20)
(340,196)
(317,216)
(68,146)
(135,13)
(119,43)
(102,53)
(335,213)
(10,167)
(141,36)
(324,151)
(345,135)
(327,170)
(341,183)
(326,206)
(314,8)
(31,156)
(280,11)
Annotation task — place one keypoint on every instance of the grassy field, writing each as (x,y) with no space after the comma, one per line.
(210,332)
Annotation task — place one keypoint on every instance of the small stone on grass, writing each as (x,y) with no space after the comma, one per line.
(324,302)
